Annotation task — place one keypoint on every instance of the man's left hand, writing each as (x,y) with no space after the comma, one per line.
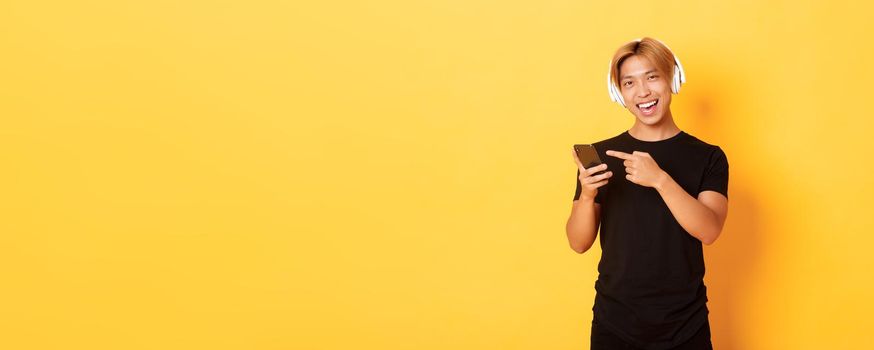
(640,168)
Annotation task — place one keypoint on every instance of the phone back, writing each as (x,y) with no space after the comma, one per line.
(587,154)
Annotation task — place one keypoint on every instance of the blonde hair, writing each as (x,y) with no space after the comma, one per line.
(652,49)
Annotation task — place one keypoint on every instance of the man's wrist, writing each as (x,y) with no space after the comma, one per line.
(663,181)
(583,200)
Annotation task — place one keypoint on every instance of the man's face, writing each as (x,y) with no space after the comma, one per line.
(641,83)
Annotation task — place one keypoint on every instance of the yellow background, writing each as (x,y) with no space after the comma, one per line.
(396,174)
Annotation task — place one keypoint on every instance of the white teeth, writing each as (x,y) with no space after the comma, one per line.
(644,105)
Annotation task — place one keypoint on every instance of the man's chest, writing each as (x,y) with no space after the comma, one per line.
(684,168)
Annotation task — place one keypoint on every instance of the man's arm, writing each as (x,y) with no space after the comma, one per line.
(582,226)
(703,217)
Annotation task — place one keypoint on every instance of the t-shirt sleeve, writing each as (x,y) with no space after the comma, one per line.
(716,175)
(580,189)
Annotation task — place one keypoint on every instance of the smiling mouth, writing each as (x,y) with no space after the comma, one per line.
(650,108)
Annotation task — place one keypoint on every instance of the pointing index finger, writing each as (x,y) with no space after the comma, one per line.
(618,154)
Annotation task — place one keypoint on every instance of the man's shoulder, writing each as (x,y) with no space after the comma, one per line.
(695,140)
(699,144)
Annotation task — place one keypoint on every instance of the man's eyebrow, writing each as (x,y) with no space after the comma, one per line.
(644,73)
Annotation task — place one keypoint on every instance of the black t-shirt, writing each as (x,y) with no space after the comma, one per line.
(650,289)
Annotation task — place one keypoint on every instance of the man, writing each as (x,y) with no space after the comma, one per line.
(670,197)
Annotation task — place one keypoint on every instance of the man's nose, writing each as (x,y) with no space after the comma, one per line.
(643,91)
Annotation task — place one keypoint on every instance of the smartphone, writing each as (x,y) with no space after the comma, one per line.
(588,156)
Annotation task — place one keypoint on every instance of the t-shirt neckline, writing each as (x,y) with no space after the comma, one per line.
(676,136)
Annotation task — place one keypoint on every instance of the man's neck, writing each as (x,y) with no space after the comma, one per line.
(659,132)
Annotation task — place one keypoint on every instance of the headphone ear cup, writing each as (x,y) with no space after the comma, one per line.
(680,67)
(610,84)
(675,84)
(681,75)
(614,93)
(618,95)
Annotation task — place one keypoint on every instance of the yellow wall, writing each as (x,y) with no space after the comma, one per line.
(396,174)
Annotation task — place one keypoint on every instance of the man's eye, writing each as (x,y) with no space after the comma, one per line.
(627,83)
(653,76)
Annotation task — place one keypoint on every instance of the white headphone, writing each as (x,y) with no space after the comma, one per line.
(679,78)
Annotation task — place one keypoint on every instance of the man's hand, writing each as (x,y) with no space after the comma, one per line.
(591,183)
(640,168)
